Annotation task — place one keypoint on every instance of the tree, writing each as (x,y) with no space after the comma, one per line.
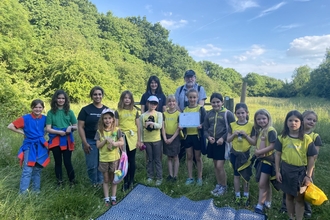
(300,81)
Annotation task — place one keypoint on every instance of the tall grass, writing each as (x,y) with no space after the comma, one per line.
(86,202)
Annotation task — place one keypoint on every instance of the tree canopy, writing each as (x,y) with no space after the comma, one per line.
(66,44)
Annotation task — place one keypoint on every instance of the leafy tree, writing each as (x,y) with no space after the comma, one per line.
(300,81)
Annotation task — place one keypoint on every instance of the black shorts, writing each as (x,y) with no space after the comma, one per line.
(266,168)
(192,141)
(216,152)
(233,161)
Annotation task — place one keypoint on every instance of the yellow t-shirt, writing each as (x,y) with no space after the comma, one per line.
(294,150)
(192,131)
(267,141)
(150,136)
(107,155)
(243,145)
(127,119)
(171,122)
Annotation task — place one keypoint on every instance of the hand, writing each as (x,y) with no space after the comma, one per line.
(138,144)
(200,127)
(169,141)
(87,148)
(110,146)
(149,123)
(258,154)
(68,130)
(279,177)
(62,133)
(243,133)
(306,181)
(211,140)
(220,141)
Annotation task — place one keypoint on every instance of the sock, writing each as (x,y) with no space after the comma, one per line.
(106,199)
(259,207)
(113,198)
(246,194)
(268,204)
(238,194)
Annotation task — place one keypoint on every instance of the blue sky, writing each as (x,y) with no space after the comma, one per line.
(268,37)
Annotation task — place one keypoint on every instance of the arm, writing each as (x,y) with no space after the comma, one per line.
(53,131)
(81,131)
(141,128)
(278,155)
(137,122)
(100,144)
(159,123)
(265,150)
(12,127)
(142,109)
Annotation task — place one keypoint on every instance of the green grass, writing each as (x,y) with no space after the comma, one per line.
(86,202)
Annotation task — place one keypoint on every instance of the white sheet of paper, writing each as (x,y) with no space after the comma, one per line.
(189,120)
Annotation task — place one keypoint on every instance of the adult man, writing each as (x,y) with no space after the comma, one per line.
(180,94)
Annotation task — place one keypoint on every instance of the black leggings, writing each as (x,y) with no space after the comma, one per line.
(57,153)
(129,178)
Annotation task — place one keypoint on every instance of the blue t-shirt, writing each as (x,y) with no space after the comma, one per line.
(161,97)
(182,99)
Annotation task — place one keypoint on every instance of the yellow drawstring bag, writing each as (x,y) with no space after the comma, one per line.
(314,195)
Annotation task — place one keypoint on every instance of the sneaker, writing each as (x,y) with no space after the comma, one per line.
(169,178)
(174,179)
(149,180)
(267,205)
(189,181)
(199,182)
(238,201)
(159,182)
(222,190)
(245,201)
(113,202)
(259,211)
(106,203)
(217,187)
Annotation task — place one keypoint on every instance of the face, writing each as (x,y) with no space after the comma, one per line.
(153,105)
(127,100)
(190,80)
(216,104)
(310,121)
(241,114)
(60,100)
(107,120)
(192,98)
(153,85)
(171,103)
(97,96)
(293,123)
(262,120)
(37,110)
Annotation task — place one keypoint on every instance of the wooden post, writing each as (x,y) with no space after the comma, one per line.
(243,93)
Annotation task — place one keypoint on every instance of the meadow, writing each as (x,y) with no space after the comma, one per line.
(85,202)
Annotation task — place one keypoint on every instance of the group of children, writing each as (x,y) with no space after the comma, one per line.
(285,160)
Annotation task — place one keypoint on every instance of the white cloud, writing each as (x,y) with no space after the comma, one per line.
(149,8)
(309,46)
(282,28)
(242,5)
(208,51)
(167,14)
(253,53)
(269,10)
(170,24)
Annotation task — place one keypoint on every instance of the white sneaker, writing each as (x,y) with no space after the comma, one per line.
(159,182)
(217,187)
(222,190)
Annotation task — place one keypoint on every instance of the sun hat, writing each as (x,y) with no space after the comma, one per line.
(189,73)
(108,110)
(153,99)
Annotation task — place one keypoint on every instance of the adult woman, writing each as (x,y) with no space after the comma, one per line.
(60,124)
(153,88)
(87,125)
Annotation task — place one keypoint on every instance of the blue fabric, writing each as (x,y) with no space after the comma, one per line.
(150,203)
(63,139)
(34,141)
(29,173)
(92,163)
